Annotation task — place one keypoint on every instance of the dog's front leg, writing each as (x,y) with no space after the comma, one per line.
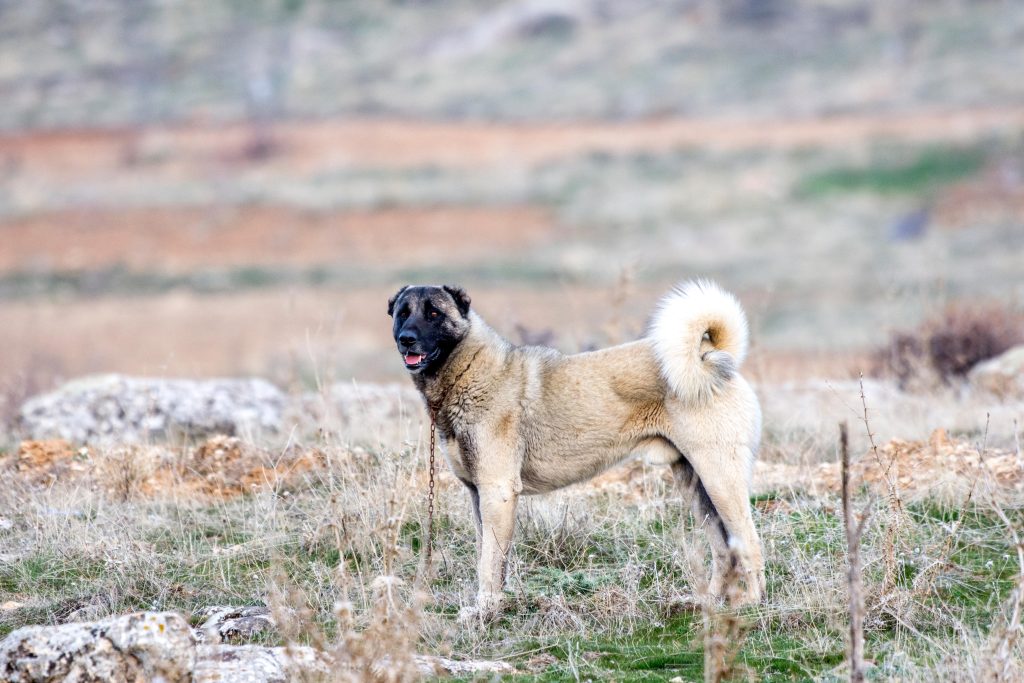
(497,516)
(474,502)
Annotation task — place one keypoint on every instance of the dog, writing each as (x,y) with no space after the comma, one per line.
(522,420)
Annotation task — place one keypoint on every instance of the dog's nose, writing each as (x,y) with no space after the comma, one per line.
(406,339)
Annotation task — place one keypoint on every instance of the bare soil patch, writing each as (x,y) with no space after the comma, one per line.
(309,147)
(178,239)
(943,467)
(997,197)
(219,468)
(223,467)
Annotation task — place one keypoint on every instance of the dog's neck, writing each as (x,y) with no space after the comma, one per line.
(481,348)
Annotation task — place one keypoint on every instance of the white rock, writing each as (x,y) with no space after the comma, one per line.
(255,664)
(1002,375)
(128,648)
(231,623)
(129,409)
(160,646)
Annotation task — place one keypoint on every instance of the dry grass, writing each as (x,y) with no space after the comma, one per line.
(604,580)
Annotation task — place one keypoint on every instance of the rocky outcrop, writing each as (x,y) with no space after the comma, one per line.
(116,408)
(1002,375)
(160,646)
(223,624)
(145,646)
(130,409)
(255,664)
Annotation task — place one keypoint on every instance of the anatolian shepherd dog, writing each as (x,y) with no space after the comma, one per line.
(527,419)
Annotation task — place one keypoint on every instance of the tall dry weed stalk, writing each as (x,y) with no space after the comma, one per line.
(854,580)
(385,649)
(1000,664)
(615,327)
(379,645)
(723,628)
(894,519)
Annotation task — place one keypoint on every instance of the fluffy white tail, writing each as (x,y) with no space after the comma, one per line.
(699,332)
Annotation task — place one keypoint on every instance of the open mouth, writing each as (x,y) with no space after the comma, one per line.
(416,360)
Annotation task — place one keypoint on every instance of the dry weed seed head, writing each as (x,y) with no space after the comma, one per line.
(725,628)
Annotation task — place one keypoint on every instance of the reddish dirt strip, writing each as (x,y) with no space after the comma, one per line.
(179,239)
(309,147)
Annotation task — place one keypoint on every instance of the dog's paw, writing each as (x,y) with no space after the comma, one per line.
(474,616)
(689,602)
(488,607)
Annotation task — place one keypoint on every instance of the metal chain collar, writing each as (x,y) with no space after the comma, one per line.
(430,497)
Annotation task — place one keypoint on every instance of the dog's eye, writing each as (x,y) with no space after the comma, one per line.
(403,314)
(433,314)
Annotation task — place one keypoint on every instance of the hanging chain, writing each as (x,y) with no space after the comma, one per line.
(430,497)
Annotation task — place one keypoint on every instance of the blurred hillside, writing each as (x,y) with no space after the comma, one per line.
(126,62)
(203,188)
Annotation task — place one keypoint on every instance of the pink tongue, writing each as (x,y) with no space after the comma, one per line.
(413,359)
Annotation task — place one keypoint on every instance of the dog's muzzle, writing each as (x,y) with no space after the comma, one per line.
(414,359)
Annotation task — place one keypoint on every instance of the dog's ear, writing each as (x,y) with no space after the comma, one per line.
(393,299)
(462,299)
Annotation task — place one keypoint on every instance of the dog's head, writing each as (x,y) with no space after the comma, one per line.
(429,322)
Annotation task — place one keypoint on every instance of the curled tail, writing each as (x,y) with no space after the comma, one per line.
(699,333)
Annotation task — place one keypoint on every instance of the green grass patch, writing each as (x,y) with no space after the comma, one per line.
(676,649)
(896,172)
(49,573)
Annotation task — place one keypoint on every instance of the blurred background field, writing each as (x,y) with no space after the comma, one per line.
(209,188)
(231,188)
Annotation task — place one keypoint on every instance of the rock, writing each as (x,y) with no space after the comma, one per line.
(255,664)
(128,409)
(160,646)
(1002,375)
(109,408)
(457,668)
(234,623)
(145,646)
(523,18)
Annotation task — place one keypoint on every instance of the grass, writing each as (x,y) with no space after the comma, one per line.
(118,280)
(598,588)
(921,171)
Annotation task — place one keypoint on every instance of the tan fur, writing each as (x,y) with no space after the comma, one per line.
(528,420)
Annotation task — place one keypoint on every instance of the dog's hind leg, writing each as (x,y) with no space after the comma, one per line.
(707,517)
(721,503)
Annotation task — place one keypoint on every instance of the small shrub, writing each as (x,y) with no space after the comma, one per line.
(947,346)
